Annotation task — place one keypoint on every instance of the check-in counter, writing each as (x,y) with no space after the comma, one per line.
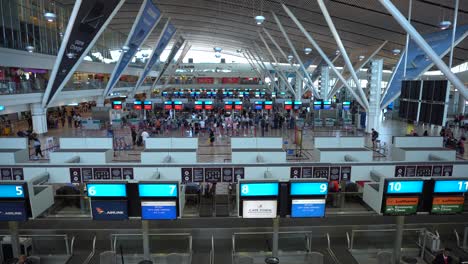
(251,143)
(151,156)
(258,155)
(423,154)
(87,156)
(75,143)
(343,154)
(12,156)
(339,142)
(171,143)
(91,124)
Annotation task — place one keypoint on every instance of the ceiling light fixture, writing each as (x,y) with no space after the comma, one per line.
(396,51)
(337,52)
(259,20)
(30,48)
(361,57)
(443,25)
(290,57)
(217,49)
(217,55)
(307,51)
(50,16)
(71,55)
(125,48)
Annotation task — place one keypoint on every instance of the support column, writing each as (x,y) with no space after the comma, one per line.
(275,237)
(146,246)
(324,82)
(400,221)
(100,102)
(298,88)
(15,243)
(373,116)
(461,104)
(39,118)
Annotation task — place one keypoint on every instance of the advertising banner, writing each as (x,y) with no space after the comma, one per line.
(166,35)
(308,208)
(401,205)
(13,211)
(148,17)
(177,45)
(448,205)
(179,60)
(418,63)
(109,210)
(158,210)
(88,20)
(259,209)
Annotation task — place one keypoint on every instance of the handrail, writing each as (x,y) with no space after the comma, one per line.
(328,241)
(465,238)
(114,238)
(212,261)
(457,237)
(72,245)
(93,251)
(331,252)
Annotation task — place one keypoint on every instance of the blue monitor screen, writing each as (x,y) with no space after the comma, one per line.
(327,105)
(162,210)
(137,102)
(11,191)
(109,210)
(308,208)
(13,211)
(157,189)
(396,187)
(309,188)
(107,190)
(148,103)
(346,106)
(259,189)
(456,186)
(258,107)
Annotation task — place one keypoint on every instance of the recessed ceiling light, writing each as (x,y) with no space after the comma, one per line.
(125,48)
(290,57)
(50,16)
(444,24)
(361,57)
(307,51)
(259,20)
(217,49)
(396,51)
(30,48)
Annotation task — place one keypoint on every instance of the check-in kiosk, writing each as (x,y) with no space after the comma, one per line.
(108,200)
(159,200)
(448,195)
(402,196)
(14,201)
(307,198)
(258,199)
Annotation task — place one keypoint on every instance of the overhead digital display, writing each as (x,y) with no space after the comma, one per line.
(178,105)
(297,105)
(317,105)
(158,189)
(401,205)
(447,205)
(268,105)
(162,210)
(137,105)
(208,105)
(327,105)
(456,186)
(117,105)
(288,105)
(259,189)
(346,106)
(13,211)
(167,105)
(397,187)
(308,208)
(107,190)
(259,209)
(109,210)
(148,105)
(309,188)
(238,105)
(11,191)
(198,105)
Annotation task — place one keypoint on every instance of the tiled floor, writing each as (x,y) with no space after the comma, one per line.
(220,151)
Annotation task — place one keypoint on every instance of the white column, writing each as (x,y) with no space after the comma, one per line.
(100,102)
(461,104)
(298,88)
(324,82)
(39,118)
(373,116)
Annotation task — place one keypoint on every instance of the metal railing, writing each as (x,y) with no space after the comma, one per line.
(330,251)
(212,251)
(69,244)
(306,234)
(115,237)
(93,251)
(354,232)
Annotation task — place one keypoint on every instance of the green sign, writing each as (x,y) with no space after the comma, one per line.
(401,209)
(447,208)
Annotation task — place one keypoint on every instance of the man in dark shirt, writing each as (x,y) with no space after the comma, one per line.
(443,258)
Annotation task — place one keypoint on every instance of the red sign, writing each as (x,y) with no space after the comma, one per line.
(288,107)
(148,107)
(208,107)
(205,80)
(168,106)
(198,107)
(228,106)
(136,107)
(238,107)
(226,80)
(178,107)
(268,107)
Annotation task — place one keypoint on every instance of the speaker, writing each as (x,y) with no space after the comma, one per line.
(223,60)
(284,199)
(190,60)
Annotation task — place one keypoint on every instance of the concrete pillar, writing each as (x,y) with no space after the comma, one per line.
(39,118)
(373,116)
(461,104)
(298,88)
(324,82)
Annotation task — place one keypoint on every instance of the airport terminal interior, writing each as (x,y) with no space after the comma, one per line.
(233,132)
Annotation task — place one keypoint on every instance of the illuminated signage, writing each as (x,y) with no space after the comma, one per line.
(178,105)
(117,105)
(317,105)
(259,209)
(228,105)
(208,105)
(13,211)
(268,105)
(308,188)
(403,187)
(346,106)
(2,107)
(326,105)
(148,105)
(455,186)
(238,105)
(308,208)
(297,105)
(288,105)
(447,205)
(11,191)
(107,190)
(198,105)
(401,205)
(167,105)
(137,105)
(259,189)
(158,210)
(109,210)
(157,189)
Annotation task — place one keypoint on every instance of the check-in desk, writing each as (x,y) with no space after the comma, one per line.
(14,150)
(151,156)
(421,149)
(343,154)
(170,150)
(339,142)
(91,124)
(257,150)
(86,156)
